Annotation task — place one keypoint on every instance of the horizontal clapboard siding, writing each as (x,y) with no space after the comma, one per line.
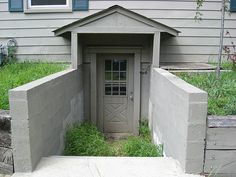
(198,41)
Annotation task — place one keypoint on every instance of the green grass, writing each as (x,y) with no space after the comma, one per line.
(86,140)
(221,93)
(17,74)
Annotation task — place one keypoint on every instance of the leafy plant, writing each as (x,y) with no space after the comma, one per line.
(230,50)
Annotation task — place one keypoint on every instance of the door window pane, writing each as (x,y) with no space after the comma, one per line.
(123,89)
(122,65)
(116,65)
(115,89)
(108,89)
(122,76)
(115,77)
(108,65)
(108,75)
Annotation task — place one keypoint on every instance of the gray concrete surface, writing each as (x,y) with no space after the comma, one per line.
(3,175)
(187,66)
(41,111)
(106,167)
(177,116)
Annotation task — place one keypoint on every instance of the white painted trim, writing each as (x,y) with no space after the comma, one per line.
(117,30)
(92,52)
(28,8)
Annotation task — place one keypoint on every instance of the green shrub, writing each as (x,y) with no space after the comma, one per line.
(86,140)
(16,74)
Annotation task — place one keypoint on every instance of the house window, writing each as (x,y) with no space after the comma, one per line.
(48,4)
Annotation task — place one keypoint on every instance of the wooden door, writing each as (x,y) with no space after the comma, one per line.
(116,88)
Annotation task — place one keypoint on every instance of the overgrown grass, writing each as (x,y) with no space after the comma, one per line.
(86,140)
(16,74)
(221,93)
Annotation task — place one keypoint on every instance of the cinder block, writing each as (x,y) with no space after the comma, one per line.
(197,113)
(196,132)
(198,97)
(195,150)
(194,166)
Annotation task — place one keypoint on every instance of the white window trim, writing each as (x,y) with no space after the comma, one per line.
(47,6)
(28,8)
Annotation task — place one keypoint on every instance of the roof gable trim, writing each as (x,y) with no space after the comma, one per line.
(112,10)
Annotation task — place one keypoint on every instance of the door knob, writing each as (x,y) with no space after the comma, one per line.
(131,97)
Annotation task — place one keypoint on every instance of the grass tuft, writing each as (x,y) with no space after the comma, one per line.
(86,140)
(16,74)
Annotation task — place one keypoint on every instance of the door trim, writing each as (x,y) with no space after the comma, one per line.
(91,56)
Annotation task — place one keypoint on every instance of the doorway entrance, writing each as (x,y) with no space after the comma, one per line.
(116,93)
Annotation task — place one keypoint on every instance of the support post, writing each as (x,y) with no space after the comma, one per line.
(156,50)
(74,50)
(93,89)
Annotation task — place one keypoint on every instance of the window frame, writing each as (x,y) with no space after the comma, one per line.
(47,8)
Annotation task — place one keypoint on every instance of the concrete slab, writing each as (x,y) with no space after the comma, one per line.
(61,166)
(187,66)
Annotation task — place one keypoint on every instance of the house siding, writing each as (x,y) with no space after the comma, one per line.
(197,42)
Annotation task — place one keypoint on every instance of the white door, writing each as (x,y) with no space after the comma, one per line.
(116,85)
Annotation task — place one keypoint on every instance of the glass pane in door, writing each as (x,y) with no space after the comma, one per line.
(115,77)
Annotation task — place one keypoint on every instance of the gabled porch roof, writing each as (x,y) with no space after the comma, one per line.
(116,19)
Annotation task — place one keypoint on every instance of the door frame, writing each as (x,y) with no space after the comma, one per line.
(92,56)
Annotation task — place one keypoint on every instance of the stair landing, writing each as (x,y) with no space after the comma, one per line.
(61,166)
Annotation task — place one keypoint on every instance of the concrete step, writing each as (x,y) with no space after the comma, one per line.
(61,166)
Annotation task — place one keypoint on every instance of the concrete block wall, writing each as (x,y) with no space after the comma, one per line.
(177,116)
(41,111)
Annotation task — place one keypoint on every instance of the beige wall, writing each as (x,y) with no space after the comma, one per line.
(178,119)
(41,112)
(197,42)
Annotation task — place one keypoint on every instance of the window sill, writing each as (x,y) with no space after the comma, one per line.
(31,11)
